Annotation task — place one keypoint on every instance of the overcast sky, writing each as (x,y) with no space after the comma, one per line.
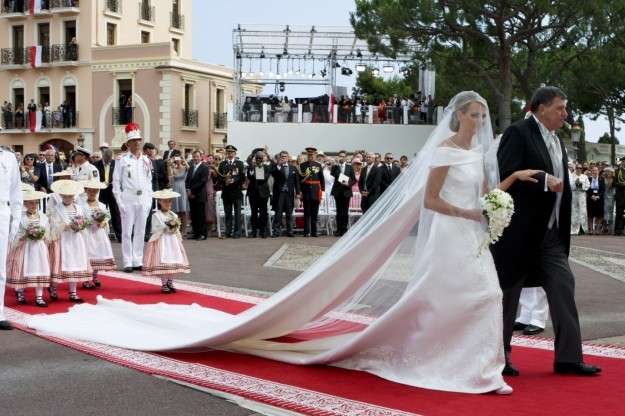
(213,23)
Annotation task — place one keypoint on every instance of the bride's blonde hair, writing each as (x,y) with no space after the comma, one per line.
(461,103)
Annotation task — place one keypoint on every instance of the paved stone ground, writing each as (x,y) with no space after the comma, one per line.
(39,377)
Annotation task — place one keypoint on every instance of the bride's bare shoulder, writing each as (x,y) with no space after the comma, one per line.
(448,143)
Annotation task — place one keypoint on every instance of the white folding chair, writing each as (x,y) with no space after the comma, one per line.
(355,211)
(221,213)
(246,212)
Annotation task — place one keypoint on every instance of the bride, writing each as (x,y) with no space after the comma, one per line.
(392,297)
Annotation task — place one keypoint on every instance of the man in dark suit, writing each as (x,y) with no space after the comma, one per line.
(258,173)
(594,200)
(344,178)
(232,178)
(46,170)
(369,183)
(159,180)
(196,192)
(534,249)
(390,172)
(313,184)
(286,185)
(169,152)
(106,167)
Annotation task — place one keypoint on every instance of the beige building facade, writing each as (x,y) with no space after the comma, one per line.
(92,66)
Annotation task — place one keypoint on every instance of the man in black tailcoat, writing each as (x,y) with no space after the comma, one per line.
(534,249)
(344,178)
(286,186)
(196,192)
(370,183)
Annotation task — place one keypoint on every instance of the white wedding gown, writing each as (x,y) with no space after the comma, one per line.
(443,331)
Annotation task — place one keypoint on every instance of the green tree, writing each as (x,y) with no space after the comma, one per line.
(595,84)
(506,48)
(377,88)
(607,139)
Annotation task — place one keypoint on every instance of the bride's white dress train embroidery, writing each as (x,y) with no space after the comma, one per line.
(421,308)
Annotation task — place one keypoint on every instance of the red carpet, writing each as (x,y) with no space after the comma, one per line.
(322,390)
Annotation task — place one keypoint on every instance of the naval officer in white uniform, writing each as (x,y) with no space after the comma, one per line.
(132,187)
(10,216)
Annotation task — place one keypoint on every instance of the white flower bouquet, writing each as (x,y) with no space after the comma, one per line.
(498,207)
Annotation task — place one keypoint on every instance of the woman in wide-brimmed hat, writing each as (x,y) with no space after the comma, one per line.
(28,263)
(164,254)
(96,236)
(68,251)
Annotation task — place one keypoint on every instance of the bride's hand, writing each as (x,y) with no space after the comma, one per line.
(473,214)
(527,175)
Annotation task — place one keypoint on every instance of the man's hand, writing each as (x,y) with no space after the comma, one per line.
(554,184)
(364,193)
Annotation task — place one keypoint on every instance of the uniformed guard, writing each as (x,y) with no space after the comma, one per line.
(10,216)
(132,187)
(232,178)
(83,169)
(313,186)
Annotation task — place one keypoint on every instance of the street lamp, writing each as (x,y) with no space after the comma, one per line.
(576,135)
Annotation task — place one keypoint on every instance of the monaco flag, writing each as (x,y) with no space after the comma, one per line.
(34,6)
(34,119)
(35,56)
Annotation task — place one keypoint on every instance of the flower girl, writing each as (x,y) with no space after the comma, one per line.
(164,254)
(96,237)
(28,264)
(68,252)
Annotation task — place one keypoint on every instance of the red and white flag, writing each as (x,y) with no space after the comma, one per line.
(35,56)
(34,6)
(35,118)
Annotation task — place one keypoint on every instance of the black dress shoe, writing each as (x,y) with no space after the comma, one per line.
(510,370)
(518,326)
(580,369)
(235,236)
(127,269)
(290,235)
(5,326)
(137,268)
(532,330)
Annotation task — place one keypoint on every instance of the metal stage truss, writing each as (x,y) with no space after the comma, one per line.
(265,54)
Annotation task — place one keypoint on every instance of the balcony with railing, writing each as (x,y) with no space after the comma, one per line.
(65,6)
(220,121)
(176,21)
(13,8)
(146,12)
(123,115)
(58,119)
(113,6)
(65,53)
(189,119)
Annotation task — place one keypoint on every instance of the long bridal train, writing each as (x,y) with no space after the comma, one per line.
(392,297)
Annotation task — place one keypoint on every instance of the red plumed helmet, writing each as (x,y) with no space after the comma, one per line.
(132,131)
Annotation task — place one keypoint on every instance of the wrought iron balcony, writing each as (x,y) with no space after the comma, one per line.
(64,4)
(14,56)
(221,120)
(123,115)
(13,7)
(146,12)
(65,53)
(114,6)
(22,56)
(58,119)
(190,118)
(177,20)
